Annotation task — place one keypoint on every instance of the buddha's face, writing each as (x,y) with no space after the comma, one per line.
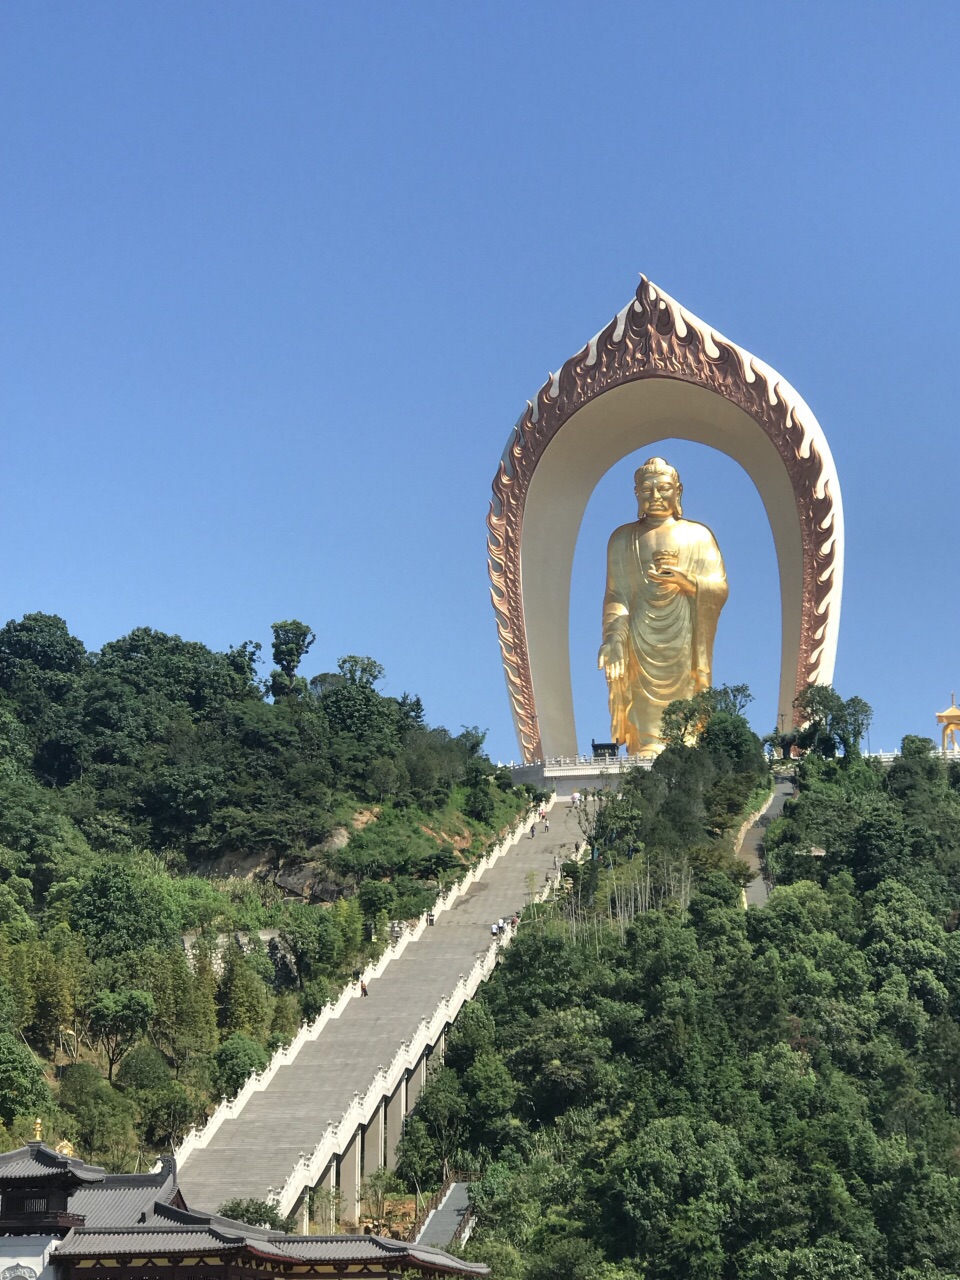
(657,495)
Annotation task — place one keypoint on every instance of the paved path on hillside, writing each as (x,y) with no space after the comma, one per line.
(757,891)
(257,1150)
(444,1222)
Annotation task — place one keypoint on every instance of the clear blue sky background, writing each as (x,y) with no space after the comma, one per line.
(277,279)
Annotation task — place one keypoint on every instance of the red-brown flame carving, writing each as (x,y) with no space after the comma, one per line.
(646,344)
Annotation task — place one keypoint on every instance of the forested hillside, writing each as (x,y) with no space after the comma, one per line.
(132,781)
(658,1083)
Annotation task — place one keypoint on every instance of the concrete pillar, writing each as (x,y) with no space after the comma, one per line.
(396,1111)
(326,1210)
(373,1142)
(415,1082)
(439,1050)
(301,1213)
(349,1177)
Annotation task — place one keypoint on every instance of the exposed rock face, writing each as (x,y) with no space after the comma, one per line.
(312,880)
(335,841)
(296,879)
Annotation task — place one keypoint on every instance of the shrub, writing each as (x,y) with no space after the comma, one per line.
(237,1058)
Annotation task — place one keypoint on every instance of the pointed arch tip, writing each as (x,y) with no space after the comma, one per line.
(655,337)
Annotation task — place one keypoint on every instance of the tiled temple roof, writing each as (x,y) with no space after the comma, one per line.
(203,1237)
(39,1163)
(143,1215)
(125,1198)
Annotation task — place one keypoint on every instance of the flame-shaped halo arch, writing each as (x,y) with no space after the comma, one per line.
(654,372)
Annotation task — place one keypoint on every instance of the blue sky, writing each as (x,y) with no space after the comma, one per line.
(278,278)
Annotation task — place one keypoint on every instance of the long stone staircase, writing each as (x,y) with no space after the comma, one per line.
(255,1153)
(335,1108)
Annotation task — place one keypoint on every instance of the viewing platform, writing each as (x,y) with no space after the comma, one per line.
(567,774)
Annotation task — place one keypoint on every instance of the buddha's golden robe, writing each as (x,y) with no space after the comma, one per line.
(667,634)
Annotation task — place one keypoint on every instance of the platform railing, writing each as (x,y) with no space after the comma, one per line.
(615,763)
(619,763)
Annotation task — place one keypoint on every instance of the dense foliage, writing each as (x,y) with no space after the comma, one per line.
(138,981)
(666,1085)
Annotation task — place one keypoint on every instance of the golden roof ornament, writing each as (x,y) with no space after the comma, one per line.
(38,1130)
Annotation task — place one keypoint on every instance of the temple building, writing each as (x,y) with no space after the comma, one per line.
(62,1219)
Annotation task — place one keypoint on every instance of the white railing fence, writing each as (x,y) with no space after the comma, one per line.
(619,763)
(230,1108)
(591,763)
(590,766)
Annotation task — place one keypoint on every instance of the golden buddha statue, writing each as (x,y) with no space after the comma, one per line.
(666,585)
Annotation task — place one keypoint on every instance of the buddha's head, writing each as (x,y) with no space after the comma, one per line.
(658,490)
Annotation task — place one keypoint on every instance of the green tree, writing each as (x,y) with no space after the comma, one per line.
(237,1058)
(832,725)
(118,1019)
(479,803)
(419,1162)
(375,1192)
(166,1114)
(684,720)
(473,1033)
(119,910)
(23,1089)
(491,1092)
(245,1003)
(442,1108)
(103,1118)
(313,938)
(14,921)
(315,994)
(363,672)
(55,989)
(291,643)
(257,1213)
(671,1192)
(732,743)
(185,1022)
(286,1019)
(377,897)
(143,1069)
(569,1258)
(41,669)
(349,921)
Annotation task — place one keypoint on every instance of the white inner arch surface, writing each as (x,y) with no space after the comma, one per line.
(608,428)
